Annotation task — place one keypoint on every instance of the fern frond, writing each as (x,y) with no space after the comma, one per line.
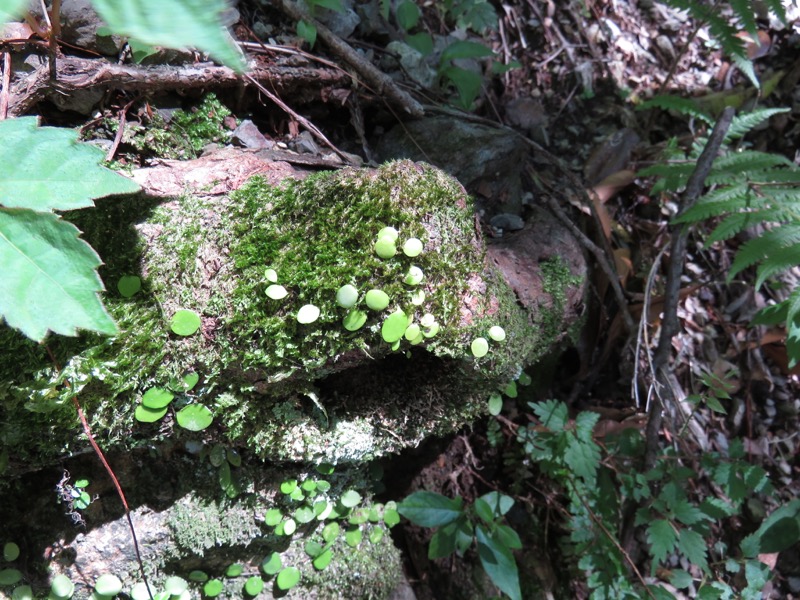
(771,315)
(744,124)
(730,226)
(778,262)
(790,176)
(746,66)
(744,12)
(673,176)
(771,241)
(683,106)
(738,165)
(776,6)
(722,200)
(718,26)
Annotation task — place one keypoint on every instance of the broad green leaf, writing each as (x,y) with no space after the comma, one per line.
(194,417)
(148,415)
(662,538)
(185,322)
(429,509)
(782,534)
(323,560)
(128,285)
(253,585)
(213,588)
(288,578)
(11,10)
(46,168)
(499,564)
(508,537)
(49,279)
(445,541)
(350,498)
(464,49)
(272,564)
(156,398)
(408,15)
(421,42)
(353,536)
(174,24)
(498,503)
(467,83)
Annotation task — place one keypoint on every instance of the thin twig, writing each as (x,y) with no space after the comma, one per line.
(4,93)
(120,131)
(301,119)
(379,80)
(678,242)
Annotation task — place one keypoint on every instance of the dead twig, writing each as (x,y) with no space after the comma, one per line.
(669,326)
(380,81)
(4,93)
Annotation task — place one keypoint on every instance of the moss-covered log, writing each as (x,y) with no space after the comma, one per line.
(282,389)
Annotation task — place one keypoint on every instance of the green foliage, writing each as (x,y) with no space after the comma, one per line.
(745,12)
(459,525)
(749,190)
(50,282)
(597,486)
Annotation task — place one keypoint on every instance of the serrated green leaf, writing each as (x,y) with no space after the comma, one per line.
(408,15)
(174,24)
(687,513)
(46,168)
(429,509)
(692,545)
(662,539)
(498,562)
(49,282)
(583,458)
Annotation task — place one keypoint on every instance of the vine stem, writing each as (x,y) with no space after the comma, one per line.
(88,431)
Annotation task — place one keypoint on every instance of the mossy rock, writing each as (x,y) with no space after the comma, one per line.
(282,389)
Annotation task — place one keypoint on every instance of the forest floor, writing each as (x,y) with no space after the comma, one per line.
(585,69)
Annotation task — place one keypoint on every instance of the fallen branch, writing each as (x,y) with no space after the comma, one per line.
(80,74)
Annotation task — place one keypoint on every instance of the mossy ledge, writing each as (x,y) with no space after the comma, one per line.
(284,390)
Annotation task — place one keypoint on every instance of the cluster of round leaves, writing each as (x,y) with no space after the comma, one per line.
(398,324)
(155,403)
(496,398)
(225,459)
(307,314)
(480,345)
(81,498)
(11,576)
(184,322)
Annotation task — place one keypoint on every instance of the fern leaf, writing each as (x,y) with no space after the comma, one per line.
(673,176)
(683,106)
(746,66)
(730,226)
(776,6)
(772,241)
(744,124)
(772,315)
(718,202)
(744,11)
(791,176)
(725,34)
(782,260)
(739,165)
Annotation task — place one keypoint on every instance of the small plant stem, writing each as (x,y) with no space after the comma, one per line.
(88,431)
(678,243)
(599,522)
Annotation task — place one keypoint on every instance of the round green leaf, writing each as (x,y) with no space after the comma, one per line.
(198,576)
(62,586)
(271,275)
(139,591)
(175,585)
(276,292)
(185,322)
(253,585)
(347,296)
(108,585)
(394,326)
(431,331)
(414,276)
(322,509)
(497,333)
(354,320)
(189,380)
(323,486)
(377,299)
(272,517)
(495,404)
(480,347)
(288,578)
(350,498)
(212,588)
(330,532)
(10,551)
(412,247)
(128,285)
(323,560)
(234,570)
(234,457)
(417,298)
(391,517)
(288,486)
(272,564)
(22,592)
(148,415)
(524,379)
(307,314)
(156,398)
(376,535)
(324,468)
(289,526)
(10,576)
(304,514)
(353,536)
(412,332)
(309,485)
(385,247)
(217,455)
(389,232)
(194,417)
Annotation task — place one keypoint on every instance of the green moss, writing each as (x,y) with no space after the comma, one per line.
(258,366)
(556,278)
